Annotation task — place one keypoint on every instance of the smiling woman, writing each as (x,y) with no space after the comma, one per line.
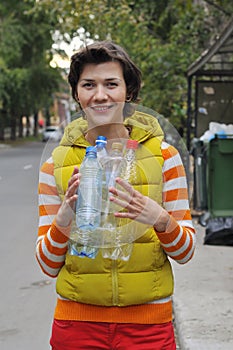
(101,91)
(108,303)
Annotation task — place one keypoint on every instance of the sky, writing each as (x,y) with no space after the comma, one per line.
(61,44)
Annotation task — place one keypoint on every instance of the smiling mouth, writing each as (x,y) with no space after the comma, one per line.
(100,108)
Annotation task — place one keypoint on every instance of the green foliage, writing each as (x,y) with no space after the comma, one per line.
(26,79)
(163,37)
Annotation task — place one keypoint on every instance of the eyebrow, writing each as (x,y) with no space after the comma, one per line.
(107,79)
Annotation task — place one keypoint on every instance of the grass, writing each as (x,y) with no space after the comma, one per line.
(20,141)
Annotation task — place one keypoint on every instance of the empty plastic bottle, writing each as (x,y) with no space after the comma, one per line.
(112,170)
(82,251)
(130,169)
(119,250)
(129,173)
(102,153)
(88,209)
(102,156)
(115,163)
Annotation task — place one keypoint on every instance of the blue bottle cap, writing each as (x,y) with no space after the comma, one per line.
(101,139)
(91,149)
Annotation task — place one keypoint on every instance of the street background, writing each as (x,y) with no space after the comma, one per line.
(27,296)
(203,300)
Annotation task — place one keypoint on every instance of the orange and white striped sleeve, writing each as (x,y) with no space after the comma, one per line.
(179,239)
(52,241)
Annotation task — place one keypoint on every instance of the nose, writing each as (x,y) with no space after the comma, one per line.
(100,93)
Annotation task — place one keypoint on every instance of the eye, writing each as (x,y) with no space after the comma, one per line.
(111,84)
(88,85)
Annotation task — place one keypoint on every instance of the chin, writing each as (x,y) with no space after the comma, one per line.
(102,120)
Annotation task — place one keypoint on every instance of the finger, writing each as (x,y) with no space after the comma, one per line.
(74,183)
(73,178)
(131,213)
(120,194)
(69,204)
(76,170)
(74,174)
(72,188)
(128,191)
(124,184)
(121,203)
(125,215)
(71,200)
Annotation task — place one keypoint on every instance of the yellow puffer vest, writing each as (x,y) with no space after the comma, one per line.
(147,275)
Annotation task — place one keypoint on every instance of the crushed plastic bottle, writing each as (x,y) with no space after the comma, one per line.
(126,168)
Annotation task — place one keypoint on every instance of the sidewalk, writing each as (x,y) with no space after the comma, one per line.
(3,145)
(203,298)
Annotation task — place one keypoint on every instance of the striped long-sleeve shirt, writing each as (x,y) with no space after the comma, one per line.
(178,241)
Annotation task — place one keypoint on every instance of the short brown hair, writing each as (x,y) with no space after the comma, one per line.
(105,51)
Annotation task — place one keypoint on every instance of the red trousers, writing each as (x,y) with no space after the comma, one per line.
(76,335)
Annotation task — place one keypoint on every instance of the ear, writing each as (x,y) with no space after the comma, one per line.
(128,98)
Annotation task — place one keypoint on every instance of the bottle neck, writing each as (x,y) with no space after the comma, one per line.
(116,153)
(91,155)
(100,146)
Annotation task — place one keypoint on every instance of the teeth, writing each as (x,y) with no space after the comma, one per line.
(100,108)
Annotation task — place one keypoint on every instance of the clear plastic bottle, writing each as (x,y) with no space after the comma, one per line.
(112,170)
(117,249)
(130,169)
(82,251)
(88,210)
(115,163)
(102,154)
(128,173)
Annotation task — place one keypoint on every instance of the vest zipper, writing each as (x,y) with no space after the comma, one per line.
(114,283)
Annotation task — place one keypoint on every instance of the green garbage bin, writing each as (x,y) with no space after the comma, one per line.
(220,177)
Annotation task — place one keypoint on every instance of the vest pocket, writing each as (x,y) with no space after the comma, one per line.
(77,265)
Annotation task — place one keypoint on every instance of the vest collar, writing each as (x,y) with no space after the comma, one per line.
(143,126)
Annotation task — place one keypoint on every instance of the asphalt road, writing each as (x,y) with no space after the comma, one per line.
(27,296)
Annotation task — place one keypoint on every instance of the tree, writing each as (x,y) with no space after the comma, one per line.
(27,80)
(164,37)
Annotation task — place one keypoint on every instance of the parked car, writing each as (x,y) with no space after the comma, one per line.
(52,133)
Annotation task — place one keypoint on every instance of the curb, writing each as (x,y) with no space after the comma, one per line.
(179,329)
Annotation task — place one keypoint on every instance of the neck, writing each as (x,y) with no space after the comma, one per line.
(111,131)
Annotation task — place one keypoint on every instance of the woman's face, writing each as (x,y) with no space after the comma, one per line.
(101,91)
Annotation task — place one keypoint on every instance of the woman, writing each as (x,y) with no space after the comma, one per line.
(102,303)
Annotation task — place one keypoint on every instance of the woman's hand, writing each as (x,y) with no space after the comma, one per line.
(139,207)
(66,211)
